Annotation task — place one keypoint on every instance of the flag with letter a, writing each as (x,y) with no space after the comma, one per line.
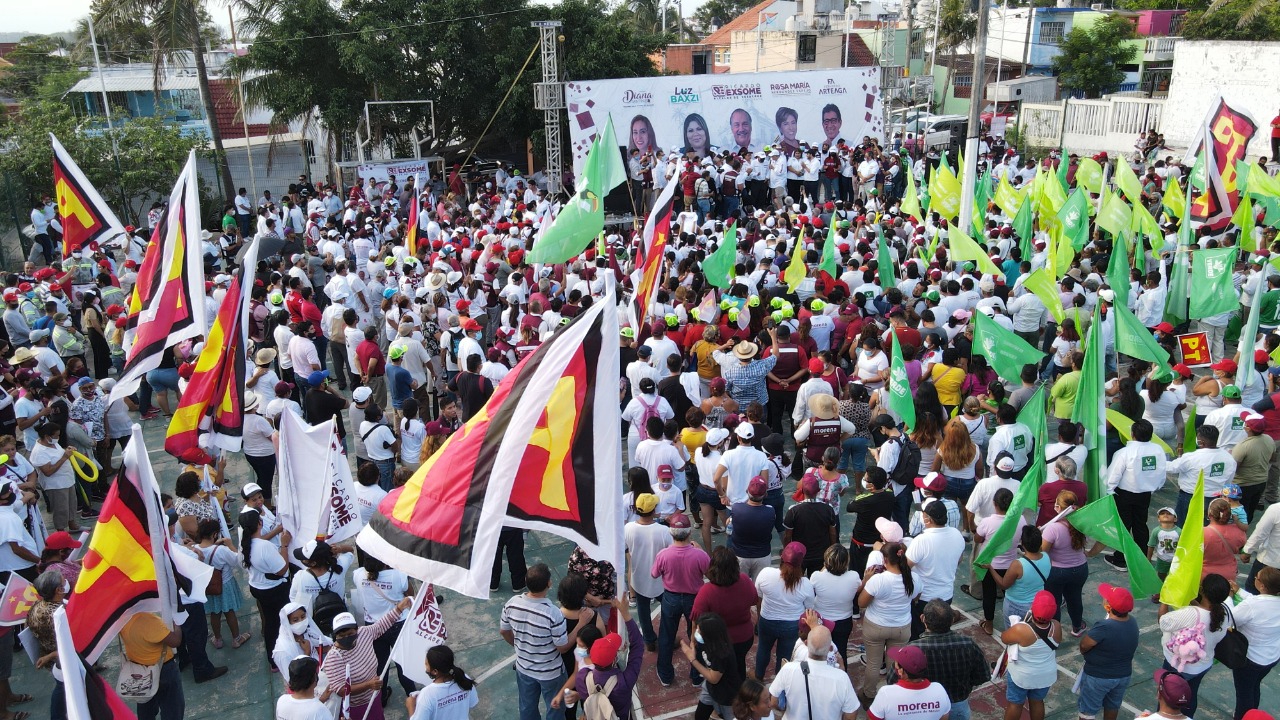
(211,411)
(127,567)
(85,216)
(167,303)
(537,456)
(423,629)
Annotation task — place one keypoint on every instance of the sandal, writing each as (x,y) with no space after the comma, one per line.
(985,626)
(22,715)
(966,590)
(217,643)
(717,530)
(20,699)
(240,639)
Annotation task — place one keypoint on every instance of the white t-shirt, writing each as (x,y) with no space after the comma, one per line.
(643,542)
(257,436)
(379,596)
(367,499)
(890,606)
(412,433)
(26,408)
(834,595)
(830,690)
(895,702)
(62,478)
(306,586)
(13,531)
(741,464)
(982,500)
(377,442)
(444,701)
(776,602)
(935,554)
(265,558)
(290,708)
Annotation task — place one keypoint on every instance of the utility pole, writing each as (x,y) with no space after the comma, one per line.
(548,96)
(106,110)
(244,120)
(974,134)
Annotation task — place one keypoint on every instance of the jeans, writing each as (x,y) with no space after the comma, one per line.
(831,186)
(1097,694)
(1248,681)
(902,508)
(386,472)
(781,403)
(674,607)
(782,632)
(322,350)
(959,489)
(775,500)
(1133,508)
(1194,682)
(58,702)
(1183,504)
(169,703)
(703,207)
(195,633)
(959,710)
(1068,584)
(853,457)
(644,617)
(530,689)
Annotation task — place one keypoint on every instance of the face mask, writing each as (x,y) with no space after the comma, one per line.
(65,323)
(66,588)
(697,637)
(299,627)
(346,643)
(581,653)
(664,485)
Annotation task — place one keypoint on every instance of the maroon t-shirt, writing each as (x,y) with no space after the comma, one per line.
(368,349)
(732,603)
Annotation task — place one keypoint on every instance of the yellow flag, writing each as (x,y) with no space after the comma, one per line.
(1043,286)
(1064,253)
(964,248)
(1174,200)
(1089,174)
(1007,198)
(1263,185)
(911,198)
(1054,194)
(1127,181)
(796,271)
(944,193)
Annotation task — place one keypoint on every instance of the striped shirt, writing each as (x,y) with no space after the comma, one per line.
(359,664)
(539,629)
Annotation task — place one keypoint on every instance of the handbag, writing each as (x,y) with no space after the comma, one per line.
(215,580)
(1232,650)
(137,682)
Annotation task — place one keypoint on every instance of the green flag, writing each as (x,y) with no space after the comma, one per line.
(718,267)
(900,400)
(981,199)
(1025,230)
(1118,270)
(1054,191)
(1008,199)
(1074,217)
(1263,185)
(582,218)
(1043,285)
(1211,277)
(1136,341)
(1196,177)
(911,198)
(1090,406)
(1005,352)
(1144,224)
(1182,584)
(1089,175)
(1174,201)
(1100,520)
(1272,218)
(1249,338)
(1115,215)
(828,261)
(1026,497)
(1243,218)
(884,262)
(1175,303)
(1127,181)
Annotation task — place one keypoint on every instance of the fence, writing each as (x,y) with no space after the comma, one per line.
(1111,124)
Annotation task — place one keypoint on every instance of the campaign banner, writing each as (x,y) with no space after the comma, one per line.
(383,172)
(423,629)
(1195,349)
(709,113)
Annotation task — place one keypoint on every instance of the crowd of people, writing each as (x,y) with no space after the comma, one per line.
(776,392)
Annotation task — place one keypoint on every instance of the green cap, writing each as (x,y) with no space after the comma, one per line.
(932,295)
(397,352)
(1231,391)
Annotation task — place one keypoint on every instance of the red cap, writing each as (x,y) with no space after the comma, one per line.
(114,309)
(604,652)
(1044,607)
(131,264)
(1256,424)
(678,521)
(1261,356)
(462,304)
(1120,599)
(470,325)
(1182,370)
(24,287)
(757,487)
(186,370)
(910,658)
(1226,365)
(1164,327)
(933,482)
(793,553)
(665,472)
(816,365)
(121,321)
(1175,689)
(61,540)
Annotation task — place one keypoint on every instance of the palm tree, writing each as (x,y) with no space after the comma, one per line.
(174,26)
(957,27)
(1248,15)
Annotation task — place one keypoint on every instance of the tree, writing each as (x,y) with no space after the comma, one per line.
(152,153)
(957,28)
(37,71)
(175,26)
(1090,58)
(1241,20)
(717,13)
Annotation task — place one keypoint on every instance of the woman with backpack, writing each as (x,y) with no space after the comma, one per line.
(322,583)
(604,689)
(1189,635)
(646,404)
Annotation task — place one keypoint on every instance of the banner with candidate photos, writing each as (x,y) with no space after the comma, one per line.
(709,113)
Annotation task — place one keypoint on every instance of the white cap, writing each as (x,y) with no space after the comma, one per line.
(221,279)
(249,489)
(362,394)
(746,431)
(343,620)
(715,436)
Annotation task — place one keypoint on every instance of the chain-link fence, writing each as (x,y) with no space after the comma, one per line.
(274,168)
(15,212)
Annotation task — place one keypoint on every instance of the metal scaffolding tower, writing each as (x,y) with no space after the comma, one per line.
(548,96)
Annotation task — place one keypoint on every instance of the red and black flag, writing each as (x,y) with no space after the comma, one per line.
(89,696)
(167,303)
(127,567)
(1224,139)
(411,232)
(653,247)
(84,215)
(211,412)
(542,454)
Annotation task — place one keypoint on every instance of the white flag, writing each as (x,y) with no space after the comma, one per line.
(304,471)
(423,629)
(341,515)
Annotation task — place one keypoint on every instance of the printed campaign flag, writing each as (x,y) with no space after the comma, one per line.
(316,500)
(423,629)
(19,595)
(86,218)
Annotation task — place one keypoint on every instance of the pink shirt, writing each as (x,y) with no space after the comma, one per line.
(681,568)
(1062,554)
